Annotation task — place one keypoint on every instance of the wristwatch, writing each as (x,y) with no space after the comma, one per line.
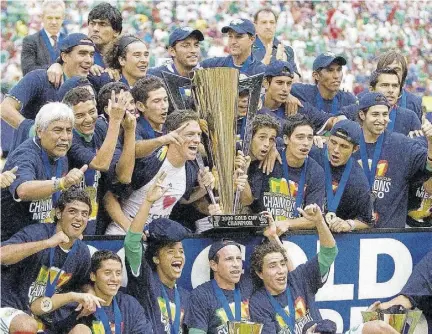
(46,304)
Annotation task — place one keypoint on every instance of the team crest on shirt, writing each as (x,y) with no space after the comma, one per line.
(302,317)
(221,314)
(280,200)
(37,288)
(164,315)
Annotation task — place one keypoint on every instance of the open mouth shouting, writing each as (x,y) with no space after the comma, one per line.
(177,266)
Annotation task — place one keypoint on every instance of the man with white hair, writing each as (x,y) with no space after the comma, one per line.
(40,49)
(43,171)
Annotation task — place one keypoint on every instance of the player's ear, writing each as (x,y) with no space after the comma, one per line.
(355,148)
(156,260)
(361,115)
(260,275)
(213,265)
(93,277)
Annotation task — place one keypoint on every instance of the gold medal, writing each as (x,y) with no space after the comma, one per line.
(46,304)
(329,217)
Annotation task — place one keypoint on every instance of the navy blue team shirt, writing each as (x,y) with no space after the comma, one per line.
(16,214)
(255,66)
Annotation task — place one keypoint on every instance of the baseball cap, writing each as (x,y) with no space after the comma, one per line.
(279,68)
(74,39)
(241,26)
(347,130)
(325,59)
(218,245)
(371,99)
(164,229)
(182,33)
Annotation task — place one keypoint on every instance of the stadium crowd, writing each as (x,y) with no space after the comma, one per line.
(101,147)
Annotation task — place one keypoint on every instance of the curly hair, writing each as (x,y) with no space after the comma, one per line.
(257,260)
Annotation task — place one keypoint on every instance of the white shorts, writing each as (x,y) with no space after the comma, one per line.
(7,314)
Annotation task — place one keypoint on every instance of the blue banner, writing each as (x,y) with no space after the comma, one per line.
(370,266)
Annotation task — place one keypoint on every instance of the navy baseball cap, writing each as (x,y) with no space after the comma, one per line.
(347,130)
(240,26)
(279,68)
(371,99)
(74,39)
(180,34)
(218,245)
(325,59)
(166,230)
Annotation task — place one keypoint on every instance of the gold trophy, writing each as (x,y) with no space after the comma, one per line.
(403,323)
(244,327)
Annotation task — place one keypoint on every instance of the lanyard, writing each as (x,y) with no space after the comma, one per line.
(403,99)
(300,189)
(51,285)
(102,317)
(52,52)
(370,173)
(244,67)
(320,104)
(333,200)
(391,124)
(48,172)
(175,327)
(289,320)
(223,300)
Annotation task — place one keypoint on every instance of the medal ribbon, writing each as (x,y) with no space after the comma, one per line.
(223,300)
(300,190)
(54,53)
(102,317)
(51,285)
(289,320)
(370,173)
(175,326)
(333,200)
(48,172)
(320,104)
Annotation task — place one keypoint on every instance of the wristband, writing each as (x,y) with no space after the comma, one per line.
(56,185)
(351,224)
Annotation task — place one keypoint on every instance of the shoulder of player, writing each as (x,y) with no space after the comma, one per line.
(157,71)
(215,61)
(258,296)
(127,300)
(27,152)
(314,167)
(202,291)
(40,231)
(409,113)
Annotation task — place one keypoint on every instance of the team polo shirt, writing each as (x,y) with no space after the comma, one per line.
(274,194)
(400,160)
(16,213)
(303,283)
(134,320)
(254,66)
(356,200)
(24,282)
(309,93)
(207,312)
(144,284)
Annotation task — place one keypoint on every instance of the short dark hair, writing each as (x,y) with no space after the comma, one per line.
(77,95)
(266,10)
(257,259)
(292,122)
(144,86)
(118,48)
(74,193)
(100,256)
(178,117)
(374,78)
(391,56)
(105,94)
(153,249)
(264,121)
(104,11)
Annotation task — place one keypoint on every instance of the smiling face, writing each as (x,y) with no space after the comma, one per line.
(265,25)
(107,278)
(262,142)
(339,150)
(389,86)
(239,44)
(170,261)
(228,269)
(155,108)
(192,138)
(278,89)
(57,138)
(186,52)
(85,117)
(330,77)
(274,273)
(73,219)
(299,143)
(101,32)
(78,61)
(135,64)
(375,120)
